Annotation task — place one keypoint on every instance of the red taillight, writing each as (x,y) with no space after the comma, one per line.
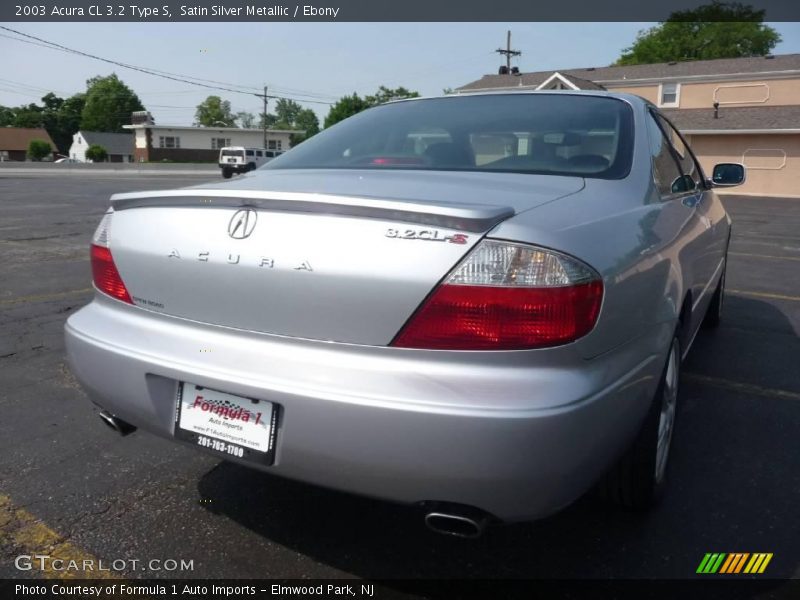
(460,317)
(507,296)
(105,274)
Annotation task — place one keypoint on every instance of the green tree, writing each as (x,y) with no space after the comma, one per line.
(215,112)
(96,153)
(246,119)
(108,105)
(286,112)
(6,116)
(28,116)
(271,120)
(61,118)
(385,94)
(38,149)
(68,121)
(350,105)
(716,30)
(307,121)
(345,107)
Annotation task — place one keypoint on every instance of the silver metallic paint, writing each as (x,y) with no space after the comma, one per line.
(516,433)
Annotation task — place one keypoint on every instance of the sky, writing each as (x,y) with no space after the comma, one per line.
(304,61)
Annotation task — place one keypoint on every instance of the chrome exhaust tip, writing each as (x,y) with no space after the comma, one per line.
(464,523)
(121,427)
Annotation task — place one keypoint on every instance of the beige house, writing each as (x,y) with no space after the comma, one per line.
(731,110)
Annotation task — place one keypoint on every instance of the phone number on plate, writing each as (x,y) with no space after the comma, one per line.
(220,446)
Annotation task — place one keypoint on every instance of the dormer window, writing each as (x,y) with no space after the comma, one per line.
(669,95)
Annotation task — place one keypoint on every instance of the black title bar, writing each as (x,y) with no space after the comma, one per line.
(148,11)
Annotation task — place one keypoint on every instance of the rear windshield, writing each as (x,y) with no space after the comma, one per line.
(232,153)
(558,134)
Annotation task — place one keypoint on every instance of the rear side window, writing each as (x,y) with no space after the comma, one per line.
(259,153)
(554,134)
(249,153)
(665,168)
(684,155)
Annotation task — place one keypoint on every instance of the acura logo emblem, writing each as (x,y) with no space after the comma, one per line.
(242,223)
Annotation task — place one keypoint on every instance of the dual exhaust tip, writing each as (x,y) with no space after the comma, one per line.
(121,427)
(448,519)
(458,521)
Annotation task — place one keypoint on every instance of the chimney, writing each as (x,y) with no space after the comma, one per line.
(142,117)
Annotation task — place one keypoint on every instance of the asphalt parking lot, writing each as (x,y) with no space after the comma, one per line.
(70,485)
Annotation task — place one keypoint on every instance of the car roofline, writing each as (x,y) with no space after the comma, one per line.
(630,98)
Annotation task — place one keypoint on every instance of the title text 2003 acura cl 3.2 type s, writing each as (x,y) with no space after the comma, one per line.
(478,304)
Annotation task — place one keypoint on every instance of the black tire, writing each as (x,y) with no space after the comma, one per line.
(638,479)
(227,173)
(714,312)
(251,167)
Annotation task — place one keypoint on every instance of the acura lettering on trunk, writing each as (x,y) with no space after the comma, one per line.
(527,352)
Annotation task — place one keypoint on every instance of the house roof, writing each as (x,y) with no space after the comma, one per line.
(209,129)
(18,138)
(584,84)
(114,143)
(750,119)
(775,65)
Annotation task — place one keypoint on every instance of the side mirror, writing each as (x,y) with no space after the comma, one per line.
(728,174)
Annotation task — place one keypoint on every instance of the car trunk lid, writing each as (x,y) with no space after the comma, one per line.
(290,256)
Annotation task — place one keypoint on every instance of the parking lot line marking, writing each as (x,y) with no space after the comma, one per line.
(764,256)
(33,538)
(764,295)
(43,297)
(737,386)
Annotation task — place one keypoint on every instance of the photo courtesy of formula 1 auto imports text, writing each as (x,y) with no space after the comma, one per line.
(400,300)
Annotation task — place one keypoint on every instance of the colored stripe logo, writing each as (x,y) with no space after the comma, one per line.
(734,563)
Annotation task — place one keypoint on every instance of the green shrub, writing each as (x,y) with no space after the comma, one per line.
(39,149)
(96,153)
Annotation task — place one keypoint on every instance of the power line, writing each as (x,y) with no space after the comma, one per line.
(162,74)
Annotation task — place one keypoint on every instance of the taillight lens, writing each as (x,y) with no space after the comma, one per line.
(104,272)
(506,296)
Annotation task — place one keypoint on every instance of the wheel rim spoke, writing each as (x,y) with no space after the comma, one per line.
(666,418)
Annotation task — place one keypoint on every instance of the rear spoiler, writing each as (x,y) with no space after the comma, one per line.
(465,217)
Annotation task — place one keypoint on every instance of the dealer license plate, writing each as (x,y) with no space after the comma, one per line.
(232,426)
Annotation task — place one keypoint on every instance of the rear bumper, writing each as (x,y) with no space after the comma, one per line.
(484,429)
(235,168)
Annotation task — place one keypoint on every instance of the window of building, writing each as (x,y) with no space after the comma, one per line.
(219,143)
(168,141)
(272,145)
(669,94)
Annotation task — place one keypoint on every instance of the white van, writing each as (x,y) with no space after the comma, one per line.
(237,159)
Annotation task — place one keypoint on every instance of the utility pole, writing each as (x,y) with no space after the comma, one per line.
(264,97)
(265,117)
(508,51)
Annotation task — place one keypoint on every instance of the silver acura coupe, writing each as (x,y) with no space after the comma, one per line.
(476,304)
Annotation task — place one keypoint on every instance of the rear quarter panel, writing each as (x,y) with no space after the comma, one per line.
(640,244)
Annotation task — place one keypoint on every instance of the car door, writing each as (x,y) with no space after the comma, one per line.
(712,241)
(680,199)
